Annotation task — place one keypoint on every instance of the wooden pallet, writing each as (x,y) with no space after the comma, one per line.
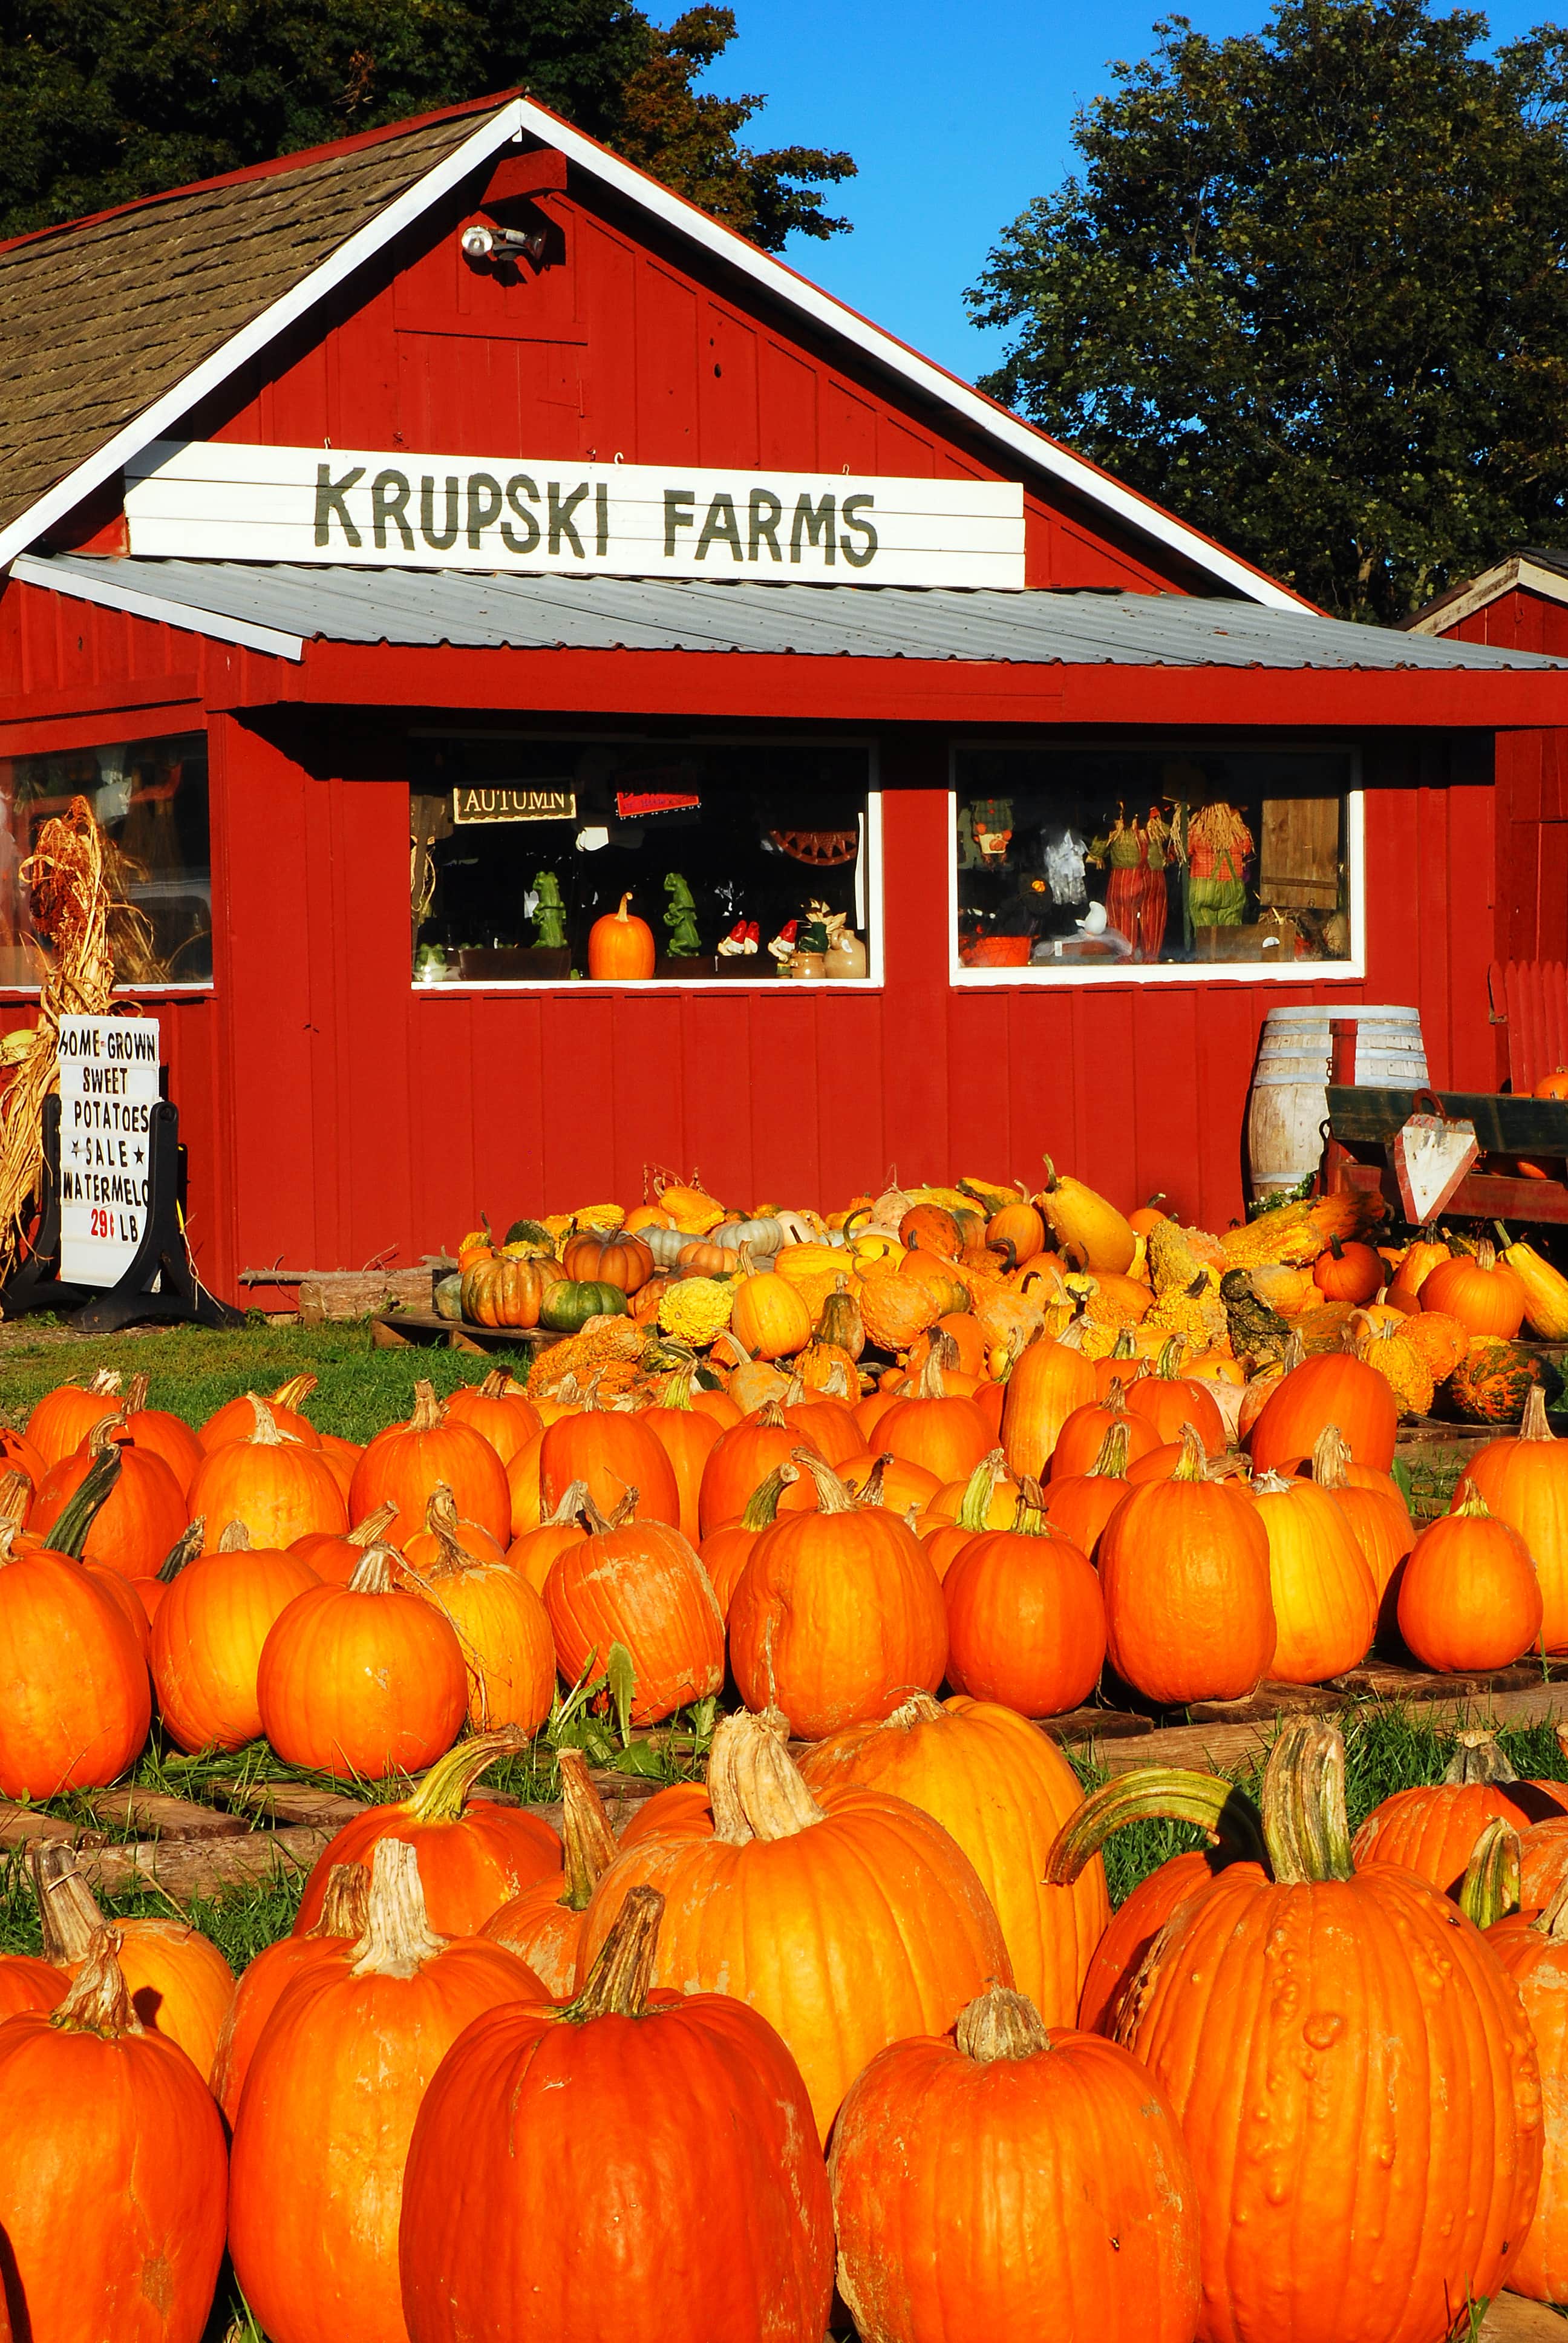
(250,1833)
(399,1329)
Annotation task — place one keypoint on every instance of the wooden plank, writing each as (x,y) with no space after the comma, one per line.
(1504,1125)
(1228,1748)
(1098,1724)
(1510,2318)
(22,1826)
(185,1868)
(290,1802)
(153,1816)
(1270,1700)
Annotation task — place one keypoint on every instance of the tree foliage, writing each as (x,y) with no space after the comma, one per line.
(1310,291)
(102,101)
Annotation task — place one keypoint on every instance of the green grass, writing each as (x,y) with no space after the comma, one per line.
(195,1369)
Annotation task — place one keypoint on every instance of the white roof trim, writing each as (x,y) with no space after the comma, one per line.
(1490,587)
(510,122)
(157,421)
(111,595)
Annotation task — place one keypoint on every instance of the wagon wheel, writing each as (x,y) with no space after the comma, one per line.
(823,848)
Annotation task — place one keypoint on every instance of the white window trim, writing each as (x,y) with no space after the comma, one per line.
(1188,972)
(597,988)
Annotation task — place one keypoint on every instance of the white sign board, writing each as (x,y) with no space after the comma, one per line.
(214,500)
(108,1088)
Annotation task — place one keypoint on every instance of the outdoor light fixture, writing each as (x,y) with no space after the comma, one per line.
(502,242)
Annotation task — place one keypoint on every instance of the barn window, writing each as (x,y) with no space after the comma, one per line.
(752,862)
(151,798)
(1155,861)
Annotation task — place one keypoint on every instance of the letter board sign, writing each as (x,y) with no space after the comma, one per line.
(108,1088)
(214,500)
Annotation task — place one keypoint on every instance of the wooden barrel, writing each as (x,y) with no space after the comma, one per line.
(1390,1052)
(1290,1099)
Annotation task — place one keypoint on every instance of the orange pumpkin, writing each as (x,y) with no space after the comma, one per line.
(236,1419)
(362,1679)
(1026,1624)
(157,1432)
(1184,1573)
(1469,1596)
(178,1982)
(267,1977)
(64,1417)
(640,1584)
(1080,1504)
(543,1924)
(1524,1482)
(499,1410)
(620,947)
(207,1637)
(500,1625)
(945,1435)
(741,1458)
(1348,1272)
(138,1520)
(1331,1388)
(407,1463)
(620,1261)
(770,1316)
(1486,1296)
(1082,1435)
(613,1453)
(1048,1380)
(1168,1399)
(1325,1601)
(278,1488)
(75,1699)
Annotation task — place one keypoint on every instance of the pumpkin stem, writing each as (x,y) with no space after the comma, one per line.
(981,1488)
(601,1525)
(869,1496)
(102,1434)
(98,2002)
(1477,1757)
(1554,1920)
(267,1434)
(1304,1822)
(1491,1883)
(1293,1355)
(104,1384)
(920,1708)
(1000,2024)
(1535,1425)
(1330,1458)
(375,1575)
(427,1413)
(68,1913)
(69,1534)
(586,1835)
(677,1393)
(365,1533)
(234,1538)
(753,1785)
(345,1902)
(494,1385)
(1168,1363)
(184,1549)
(1485,1253)
(1168,1793)
(15,1499)
(621,913)
(1473,1506)
(397,1938)
(1194,1455)
(1029,1514)
(835,1383)
(941,1353)
(293,1393)
(1111,1464)
(618,1984)
(761,1509)
(771,1416)
(832,1496)
(443,1795)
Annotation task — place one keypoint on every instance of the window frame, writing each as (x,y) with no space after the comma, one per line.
(1352,971)
(138,734)
(872,892)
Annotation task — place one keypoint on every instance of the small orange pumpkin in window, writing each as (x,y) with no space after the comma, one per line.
(621,947)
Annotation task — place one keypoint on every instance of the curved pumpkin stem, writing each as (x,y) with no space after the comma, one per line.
(1305,1828)
(1029,1514)
(832,1496)
(1111,1464)
(443,1795)
(754,1787)
(1554,1920)
(69,1534)
(376,1575)
(1166,1793)
(102,1434)
(367,1532)
(267,1433)
(397,1938)
(105,1382)
(293,1393)
(980,1489)
(586,1835)
(918,1708)
(136,1397)
(234,1538)
(1000,2024)
(1491,1883)
(15,1500)
(98,2002)
(427,1408)
(184,1549)
(1330,1458)
(1533,1424)
(618,1984)
(761,1507)
(1194,1456)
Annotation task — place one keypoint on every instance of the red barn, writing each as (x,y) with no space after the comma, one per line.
(416,545)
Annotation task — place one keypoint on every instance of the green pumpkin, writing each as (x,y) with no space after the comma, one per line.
(529,1233)
(567,1307)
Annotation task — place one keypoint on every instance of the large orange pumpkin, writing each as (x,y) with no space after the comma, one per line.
(1325,1601)
(139,1519)
(712,2216)
(640,1584)
(1026,1622)
(1082,1436)
(1184,1573)
(407,1462)
(94,2106)
(209,1634)
(838,1614)
(1168,1399)
(177,1980)
(328,2109)
(1533,1952)
(362,1679)
(267,1978)
(1332,1387)
(544,1923)
(612,1454)
(1048,1380)
(1468,1595)
(1433,1830)
(1003,1790)
(279,1489)
(474,1854)
(532,1550)
(1372,2009)
(1524,1482)
(1379,1518)
(1483,1292)
(158,1432)
(741,1458)
(945,1435)
(64,1417)
(687,1434)
(500,1625)
(75,1699)
(497,1409)
(847,1922)
(1079,1506)
(980,2179)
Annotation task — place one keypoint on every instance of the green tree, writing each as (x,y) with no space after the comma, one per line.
(1310,291)
(102,101)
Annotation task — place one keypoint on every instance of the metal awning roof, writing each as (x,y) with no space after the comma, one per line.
(280,607)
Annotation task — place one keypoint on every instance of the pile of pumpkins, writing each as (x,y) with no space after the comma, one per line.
(856,2014)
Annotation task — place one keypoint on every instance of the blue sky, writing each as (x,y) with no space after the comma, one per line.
(957,116)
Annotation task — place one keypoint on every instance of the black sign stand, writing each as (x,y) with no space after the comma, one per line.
(161,1256)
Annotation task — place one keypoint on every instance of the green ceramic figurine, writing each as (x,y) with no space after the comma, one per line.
(550,912)
(681,918)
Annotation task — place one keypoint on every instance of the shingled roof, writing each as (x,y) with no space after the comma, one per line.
(100,320)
